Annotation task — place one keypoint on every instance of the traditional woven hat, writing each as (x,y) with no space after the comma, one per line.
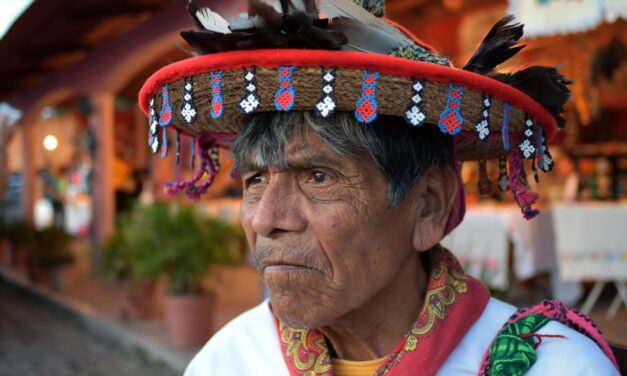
(346,57)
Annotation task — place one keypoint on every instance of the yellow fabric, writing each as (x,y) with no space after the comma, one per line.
(343,367)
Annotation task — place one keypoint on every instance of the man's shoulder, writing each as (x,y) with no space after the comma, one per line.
(247,345)
(575,354)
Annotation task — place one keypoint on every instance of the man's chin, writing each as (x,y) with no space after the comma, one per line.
(296,316)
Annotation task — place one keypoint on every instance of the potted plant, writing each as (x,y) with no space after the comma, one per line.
(19,235)
(50,253)
(135,292)
(182,245)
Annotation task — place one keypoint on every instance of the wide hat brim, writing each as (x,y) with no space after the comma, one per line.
(206,94)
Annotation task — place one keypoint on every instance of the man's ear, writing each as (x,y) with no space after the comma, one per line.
(435,194)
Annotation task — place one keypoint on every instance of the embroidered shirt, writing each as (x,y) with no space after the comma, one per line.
(249,346)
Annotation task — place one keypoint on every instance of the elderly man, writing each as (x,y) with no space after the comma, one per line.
(349,163)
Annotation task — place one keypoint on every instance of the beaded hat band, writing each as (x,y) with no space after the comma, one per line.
(223,89)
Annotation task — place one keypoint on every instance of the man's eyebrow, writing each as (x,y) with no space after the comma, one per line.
(302,160)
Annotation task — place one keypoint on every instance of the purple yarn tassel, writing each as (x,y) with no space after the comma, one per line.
(194,188)
(518,185)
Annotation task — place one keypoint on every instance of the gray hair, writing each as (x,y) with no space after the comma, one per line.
(401,152)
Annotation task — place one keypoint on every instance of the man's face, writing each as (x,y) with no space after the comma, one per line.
(323,237)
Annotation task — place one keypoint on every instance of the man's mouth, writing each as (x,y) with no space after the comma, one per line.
(281,266)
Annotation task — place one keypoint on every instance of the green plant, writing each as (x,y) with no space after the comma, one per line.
(51,247)
(19,233)
(176,242)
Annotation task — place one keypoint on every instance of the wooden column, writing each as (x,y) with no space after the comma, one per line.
(29,173)
(140,140)
(101,121)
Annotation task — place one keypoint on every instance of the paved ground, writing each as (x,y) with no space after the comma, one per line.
(38,340)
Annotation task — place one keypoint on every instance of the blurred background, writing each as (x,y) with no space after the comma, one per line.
(93,275)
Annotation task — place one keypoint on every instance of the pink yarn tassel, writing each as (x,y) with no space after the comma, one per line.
(518,185)
(207,143)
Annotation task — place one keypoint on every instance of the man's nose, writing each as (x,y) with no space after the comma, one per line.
(279,210)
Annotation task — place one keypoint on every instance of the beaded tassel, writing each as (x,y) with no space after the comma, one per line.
(484,184)
(164,144)
(178,147)
(192,159)
(503,182)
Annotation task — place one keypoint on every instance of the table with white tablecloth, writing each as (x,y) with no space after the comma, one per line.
(483,240)
(591,245)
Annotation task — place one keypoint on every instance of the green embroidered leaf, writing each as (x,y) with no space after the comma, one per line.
(512,355)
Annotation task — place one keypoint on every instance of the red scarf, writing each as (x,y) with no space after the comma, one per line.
(453,302)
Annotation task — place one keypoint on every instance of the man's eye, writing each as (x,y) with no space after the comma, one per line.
(255,179)
(319,176)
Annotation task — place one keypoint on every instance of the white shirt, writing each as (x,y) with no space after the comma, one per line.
(249,345)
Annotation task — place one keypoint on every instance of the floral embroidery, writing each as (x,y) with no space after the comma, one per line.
(448,283)
(327,103)
(305,350)
(451,119)
(414,115)
(366,107)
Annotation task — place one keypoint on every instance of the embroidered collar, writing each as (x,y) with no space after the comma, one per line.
(453,302)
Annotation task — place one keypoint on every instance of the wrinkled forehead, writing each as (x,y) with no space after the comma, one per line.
(281,141)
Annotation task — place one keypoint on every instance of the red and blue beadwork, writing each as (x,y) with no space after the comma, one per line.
(217,103)
(366,107)
(451,119)
(507,115)
(285,97)
(165,118)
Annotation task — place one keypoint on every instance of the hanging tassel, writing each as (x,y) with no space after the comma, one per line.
(192,159)
(192,189)
(534,169)
(503,182)
(209,165)
(164,144)
(178,147)
(517,177)
(484,184)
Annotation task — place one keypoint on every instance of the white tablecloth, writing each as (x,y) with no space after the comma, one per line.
(591,241)
(481,243)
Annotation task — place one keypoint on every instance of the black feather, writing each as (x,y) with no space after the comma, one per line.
(296,29)
(497,47)
(192,8)
(546,85)
(267,12)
